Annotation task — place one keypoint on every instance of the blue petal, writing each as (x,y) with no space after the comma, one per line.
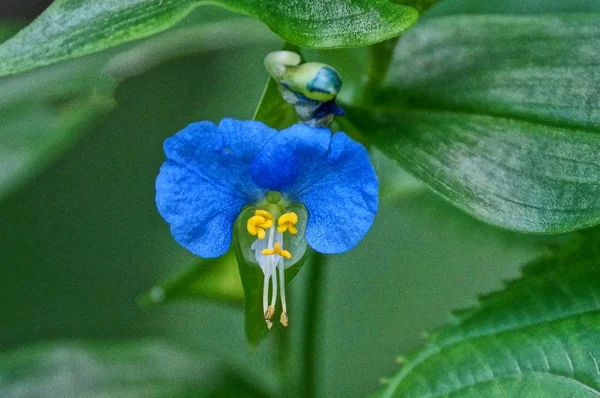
(328,108)
(331,175)
(205,181)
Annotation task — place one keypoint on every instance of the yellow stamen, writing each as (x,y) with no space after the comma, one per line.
(277,250)
(265,214)
(257,224)
(287,222)
(253,223)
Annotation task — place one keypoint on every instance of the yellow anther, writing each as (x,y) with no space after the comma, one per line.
(286,222)
(257,224)
(270,312)
(290,217)
(254,224)
(265,214)
(267,224)
(277,250)
(261,233)
(285,254)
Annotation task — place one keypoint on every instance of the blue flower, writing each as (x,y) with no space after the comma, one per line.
(302,185)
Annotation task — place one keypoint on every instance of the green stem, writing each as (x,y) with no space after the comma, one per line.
(380,55)
(312,326)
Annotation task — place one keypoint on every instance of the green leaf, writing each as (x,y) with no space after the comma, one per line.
(499,115)
(273,110)
(73,28)
(140,369)
(537,338)
(511,7)
(210,279)
(540,68)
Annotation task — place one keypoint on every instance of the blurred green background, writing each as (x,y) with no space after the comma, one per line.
(80,243)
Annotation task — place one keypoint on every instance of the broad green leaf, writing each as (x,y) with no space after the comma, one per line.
(73,28)
(210,279)
(537,338)
(511,173)
(137,369)
(510,7)
(541,68)
(500,116)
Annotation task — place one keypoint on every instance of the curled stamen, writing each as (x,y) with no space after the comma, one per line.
(258,223)
(265,214)
(287,222)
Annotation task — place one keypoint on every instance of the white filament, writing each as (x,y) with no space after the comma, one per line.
(266,292)
(270,264)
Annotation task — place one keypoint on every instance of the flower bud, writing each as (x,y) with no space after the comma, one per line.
(311,87)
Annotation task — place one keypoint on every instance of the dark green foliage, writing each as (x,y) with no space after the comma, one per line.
(499,115)
(73,28)
(538,337)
